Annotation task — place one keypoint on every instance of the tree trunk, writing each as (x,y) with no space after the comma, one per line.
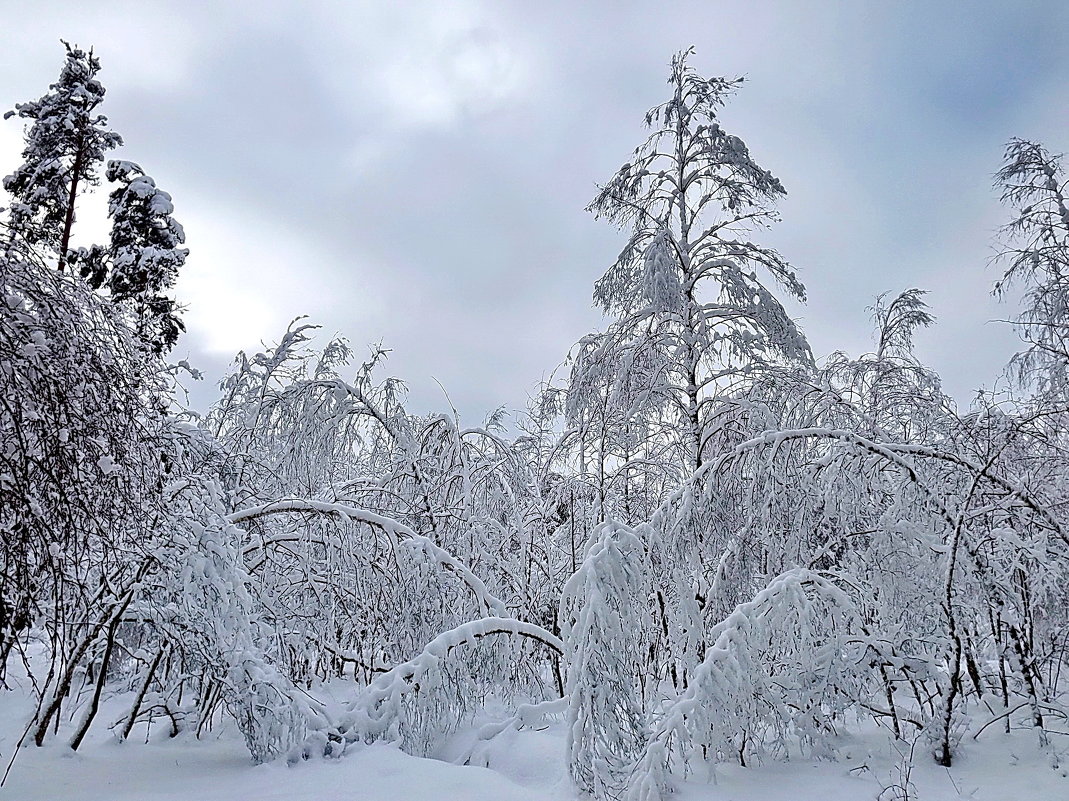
(68,222)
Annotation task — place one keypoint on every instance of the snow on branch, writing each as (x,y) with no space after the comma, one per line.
(394,706)
(895,453)
(399,531)
(608,637)
(780,667)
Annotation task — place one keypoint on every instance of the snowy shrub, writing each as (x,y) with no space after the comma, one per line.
(781,669)
(605,622)
(212,617)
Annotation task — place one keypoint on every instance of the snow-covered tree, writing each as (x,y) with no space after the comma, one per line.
(144,257)
(203,602)
(80,466)
(65,146)
(604,620)
(1035,249)
(782,667)
(693,312)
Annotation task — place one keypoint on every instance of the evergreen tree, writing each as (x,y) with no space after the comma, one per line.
(145,254)
(65,145)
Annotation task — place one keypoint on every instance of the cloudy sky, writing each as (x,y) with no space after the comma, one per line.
(416,172)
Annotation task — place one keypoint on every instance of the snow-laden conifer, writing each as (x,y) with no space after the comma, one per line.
(65,146)
(141,263)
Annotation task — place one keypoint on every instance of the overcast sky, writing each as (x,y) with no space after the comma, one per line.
(416,172)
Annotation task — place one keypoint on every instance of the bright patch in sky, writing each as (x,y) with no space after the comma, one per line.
(249,280)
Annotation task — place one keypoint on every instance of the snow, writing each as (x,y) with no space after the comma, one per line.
(516,765)
(207,772)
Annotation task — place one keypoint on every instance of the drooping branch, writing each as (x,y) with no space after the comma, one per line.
(399,531)
(377,712)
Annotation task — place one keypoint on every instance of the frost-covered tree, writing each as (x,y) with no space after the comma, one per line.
(347,474)
(887,391)
(144,257)
(781,669)
(1035,249)
(80,469)
(203,604)
(688,291)
(65,146)
(604,619)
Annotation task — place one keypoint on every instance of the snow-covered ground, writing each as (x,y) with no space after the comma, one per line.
(515,766)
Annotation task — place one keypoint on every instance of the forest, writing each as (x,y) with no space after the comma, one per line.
(699,548)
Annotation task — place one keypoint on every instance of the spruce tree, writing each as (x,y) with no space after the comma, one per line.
(145,254)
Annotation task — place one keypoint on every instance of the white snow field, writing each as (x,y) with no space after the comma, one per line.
(515,766)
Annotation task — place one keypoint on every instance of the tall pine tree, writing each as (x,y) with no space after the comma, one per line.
(65,146)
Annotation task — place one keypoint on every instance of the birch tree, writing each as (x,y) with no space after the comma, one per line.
(688,291)
(1034,247)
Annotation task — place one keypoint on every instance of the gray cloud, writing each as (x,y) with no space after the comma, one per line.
(418,173)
